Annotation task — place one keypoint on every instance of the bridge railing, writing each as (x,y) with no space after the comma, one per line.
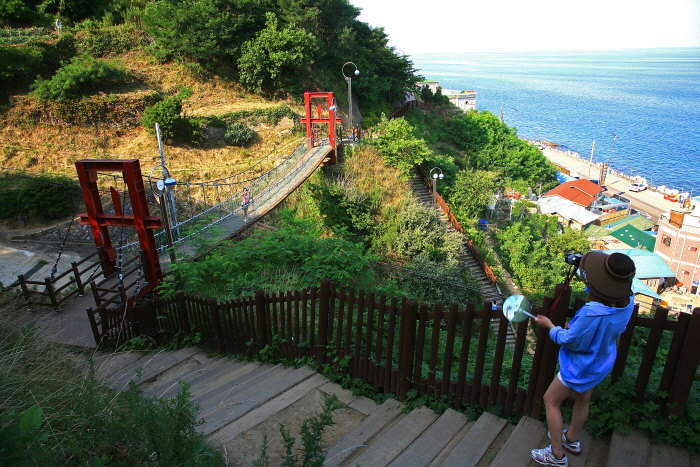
(201,230)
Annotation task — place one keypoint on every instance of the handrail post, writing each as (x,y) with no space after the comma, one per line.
(76,271)
(93,325)
(23,285)
(95,293)
(51,292)
(103,261)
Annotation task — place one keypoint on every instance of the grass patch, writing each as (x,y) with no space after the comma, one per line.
(55,413)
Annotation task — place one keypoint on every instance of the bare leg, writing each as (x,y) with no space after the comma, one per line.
(553,398)
(580,414)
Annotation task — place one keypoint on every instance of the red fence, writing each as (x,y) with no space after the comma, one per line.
(398,345)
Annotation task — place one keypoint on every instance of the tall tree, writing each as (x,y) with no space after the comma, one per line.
(203,29)
(275,58)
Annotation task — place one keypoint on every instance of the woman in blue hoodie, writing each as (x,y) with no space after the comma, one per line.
(588,348)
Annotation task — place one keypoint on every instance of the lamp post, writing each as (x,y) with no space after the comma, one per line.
(348,79)
(161,190)
(435,176)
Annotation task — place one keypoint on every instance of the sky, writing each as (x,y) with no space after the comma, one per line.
(537,25)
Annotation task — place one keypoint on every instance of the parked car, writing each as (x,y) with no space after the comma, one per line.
(637,187)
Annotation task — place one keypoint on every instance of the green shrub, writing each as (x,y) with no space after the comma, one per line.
(18,65)
(166,114)
(82,76)
(172,125)
(44,197)
(238,134)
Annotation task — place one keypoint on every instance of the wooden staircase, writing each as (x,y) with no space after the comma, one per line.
(489,293)
(242,401)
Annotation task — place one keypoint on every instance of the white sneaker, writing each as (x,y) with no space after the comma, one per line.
(546,457)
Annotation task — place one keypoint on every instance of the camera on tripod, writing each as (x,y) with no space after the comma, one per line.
(572,259)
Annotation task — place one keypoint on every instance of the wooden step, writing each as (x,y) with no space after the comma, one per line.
(148,366)
(432,441)
(528,434)
(213,398)
(204,385)
(358,438)
(388,447)
(110,363)
(252,418)
(242,402)
(474,445)
(166,386)
(630,450)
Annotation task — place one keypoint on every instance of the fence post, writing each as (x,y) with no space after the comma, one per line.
(323,313)
(93,325)
(182,312)
(261,319)
(214,308)
(103,261)
(687,366)
(407,344)
(623,347)
(557,313)
(76,271)
(23,285)
(51,293)
(95,293)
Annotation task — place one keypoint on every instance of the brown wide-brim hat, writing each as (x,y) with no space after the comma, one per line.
(601,280)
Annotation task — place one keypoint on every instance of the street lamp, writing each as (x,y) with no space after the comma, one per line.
(348,79)
(161,191)
(435,176)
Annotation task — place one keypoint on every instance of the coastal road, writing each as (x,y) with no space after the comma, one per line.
(648,201)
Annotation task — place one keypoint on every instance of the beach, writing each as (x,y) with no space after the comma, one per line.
(650,201)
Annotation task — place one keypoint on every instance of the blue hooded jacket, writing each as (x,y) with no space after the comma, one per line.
(588,347)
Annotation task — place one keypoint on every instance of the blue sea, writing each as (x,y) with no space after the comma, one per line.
(648,98)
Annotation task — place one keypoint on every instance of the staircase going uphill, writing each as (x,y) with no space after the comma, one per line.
(489,292)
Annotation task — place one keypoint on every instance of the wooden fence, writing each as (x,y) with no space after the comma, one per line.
(402,347)
(59,289)
(73,282)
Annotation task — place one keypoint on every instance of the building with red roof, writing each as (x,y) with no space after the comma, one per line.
(581,192)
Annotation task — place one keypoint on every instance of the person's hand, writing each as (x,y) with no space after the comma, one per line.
(542,320)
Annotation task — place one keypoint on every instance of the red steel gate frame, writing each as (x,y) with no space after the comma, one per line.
(331,120)
(99,222)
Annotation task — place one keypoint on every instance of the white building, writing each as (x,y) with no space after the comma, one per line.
(465,100)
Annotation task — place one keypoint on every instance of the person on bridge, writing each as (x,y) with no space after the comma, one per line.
(245,201)
(588,348)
